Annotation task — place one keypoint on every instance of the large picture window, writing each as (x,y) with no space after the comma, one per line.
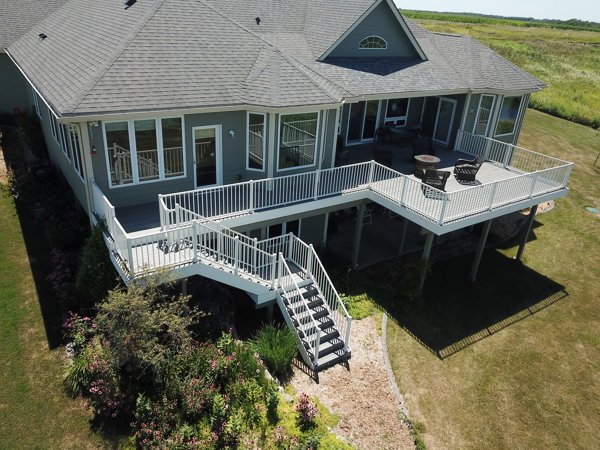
(297,140)
(255,155)
(172,140)
(396,112)
(508,115)
(144,150)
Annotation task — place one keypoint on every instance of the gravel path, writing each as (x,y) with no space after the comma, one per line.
(361,397)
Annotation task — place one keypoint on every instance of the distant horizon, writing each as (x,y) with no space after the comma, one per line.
(588,10)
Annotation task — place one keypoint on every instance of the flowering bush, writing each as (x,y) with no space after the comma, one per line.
(79,331)
(307,412)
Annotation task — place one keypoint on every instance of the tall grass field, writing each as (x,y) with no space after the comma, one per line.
(563,55)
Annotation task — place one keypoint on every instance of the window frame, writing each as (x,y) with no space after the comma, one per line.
(372,48)
(487,127)
(278,147)
(517,117)
(36,103)
(395,119)
(53,126)
(133,150)
(75,141)
(264,149)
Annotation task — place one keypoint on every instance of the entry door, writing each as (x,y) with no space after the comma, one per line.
(207,155)
(444,121)
(362,122)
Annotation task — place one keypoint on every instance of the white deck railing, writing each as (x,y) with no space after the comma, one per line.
(536,175)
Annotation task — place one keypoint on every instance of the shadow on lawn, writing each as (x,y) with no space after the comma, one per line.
(454,313)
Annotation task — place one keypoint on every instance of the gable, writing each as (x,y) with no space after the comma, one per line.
(382,23)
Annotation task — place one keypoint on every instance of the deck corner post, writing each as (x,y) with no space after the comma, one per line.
(177,214)
(195,240)
(280,275)
(443,211)
(371,170)
(184,290)
(130,256)
(493,195)
(273,270)
(251,196)
(310,257)
(535,177)
(479,252)
(236,261)
(325,228)
(526,233)
(567,175)
(317,184)
(290,248)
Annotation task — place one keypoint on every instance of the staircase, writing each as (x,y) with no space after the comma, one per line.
(284,269)
(307,311)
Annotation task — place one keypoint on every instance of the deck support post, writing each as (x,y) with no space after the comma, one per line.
(479,251)
(325,226)
(360,216)
(526,232)
(425,258)
(270,312)
(403,236)
(184,286)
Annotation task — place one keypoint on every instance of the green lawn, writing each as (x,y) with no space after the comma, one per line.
(568,61)
(35,412)
(513,361)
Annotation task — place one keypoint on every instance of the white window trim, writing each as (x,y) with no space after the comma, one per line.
(372,48)
(490,119)
(278,148)
(394,118)
(264,150)
(517,119)
(36,103)
(134,165)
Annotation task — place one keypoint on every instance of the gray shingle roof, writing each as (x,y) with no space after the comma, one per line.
(176,54)
(17,17)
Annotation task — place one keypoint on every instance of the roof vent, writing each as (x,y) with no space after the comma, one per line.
(42,36)
(257,20)
(129,3)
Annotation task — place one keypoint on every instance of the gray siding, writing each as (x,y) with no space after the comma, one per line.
(57,156)
(312,229)
(13,87)
(381,22)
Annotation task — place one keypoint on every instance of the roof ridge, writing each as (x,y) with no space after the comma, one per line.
(115,56)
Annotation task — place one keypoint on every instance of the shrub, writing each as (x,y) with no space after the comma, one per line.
(307,412)
(277,348)
(143,327)
(96,275)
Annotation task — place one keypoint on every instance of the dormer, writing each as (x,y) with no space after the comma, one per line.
(379,32)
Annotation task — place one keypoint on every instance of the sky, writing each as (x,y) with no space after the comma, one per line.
(539,9)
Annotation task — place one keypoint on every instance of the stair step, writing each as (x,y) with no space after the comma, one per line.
(330,347)
(327,335)
(332,359)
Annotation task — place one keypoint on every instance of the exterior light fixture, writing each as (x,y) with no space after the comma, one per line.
(232,133)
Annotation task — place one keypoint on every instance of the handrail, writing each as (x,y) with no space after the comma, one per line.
(304,325)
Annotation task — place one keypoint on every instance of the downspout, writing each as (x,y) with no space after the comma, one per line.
(89,172)
(323,134)
(338,114)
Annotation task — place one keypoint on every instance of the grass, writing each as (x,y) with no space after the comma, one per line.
(512,361)
(567,60)
(36,413)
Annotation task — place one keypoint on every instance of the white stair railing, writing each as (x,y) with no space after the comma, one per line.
(305,323)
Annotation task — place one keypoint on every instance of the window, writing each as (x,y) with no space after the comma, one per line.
(172,144)
(255,154)
(76,149)
(119,154)
(484,112)
(297,140)
(36,103)
(396,112)
(373,43)
(64,141)
(508,115)
(146,150)
(53,125)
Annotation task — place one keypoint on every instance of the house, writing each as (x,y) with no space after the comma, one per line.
(203,134)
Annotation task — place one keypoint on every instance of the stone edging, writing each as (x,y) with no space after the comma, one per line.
(390,373)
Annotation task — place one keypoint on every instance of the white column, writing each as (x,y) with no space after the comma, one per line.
(479,252)
(358,234)
(425,258)
(526,233)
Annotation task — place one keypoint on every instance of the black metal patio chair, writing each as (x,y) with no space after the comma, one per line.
(465,170)
(436,179)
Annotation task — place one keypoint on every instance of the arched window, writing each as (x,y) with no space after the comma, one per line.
(373,42)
